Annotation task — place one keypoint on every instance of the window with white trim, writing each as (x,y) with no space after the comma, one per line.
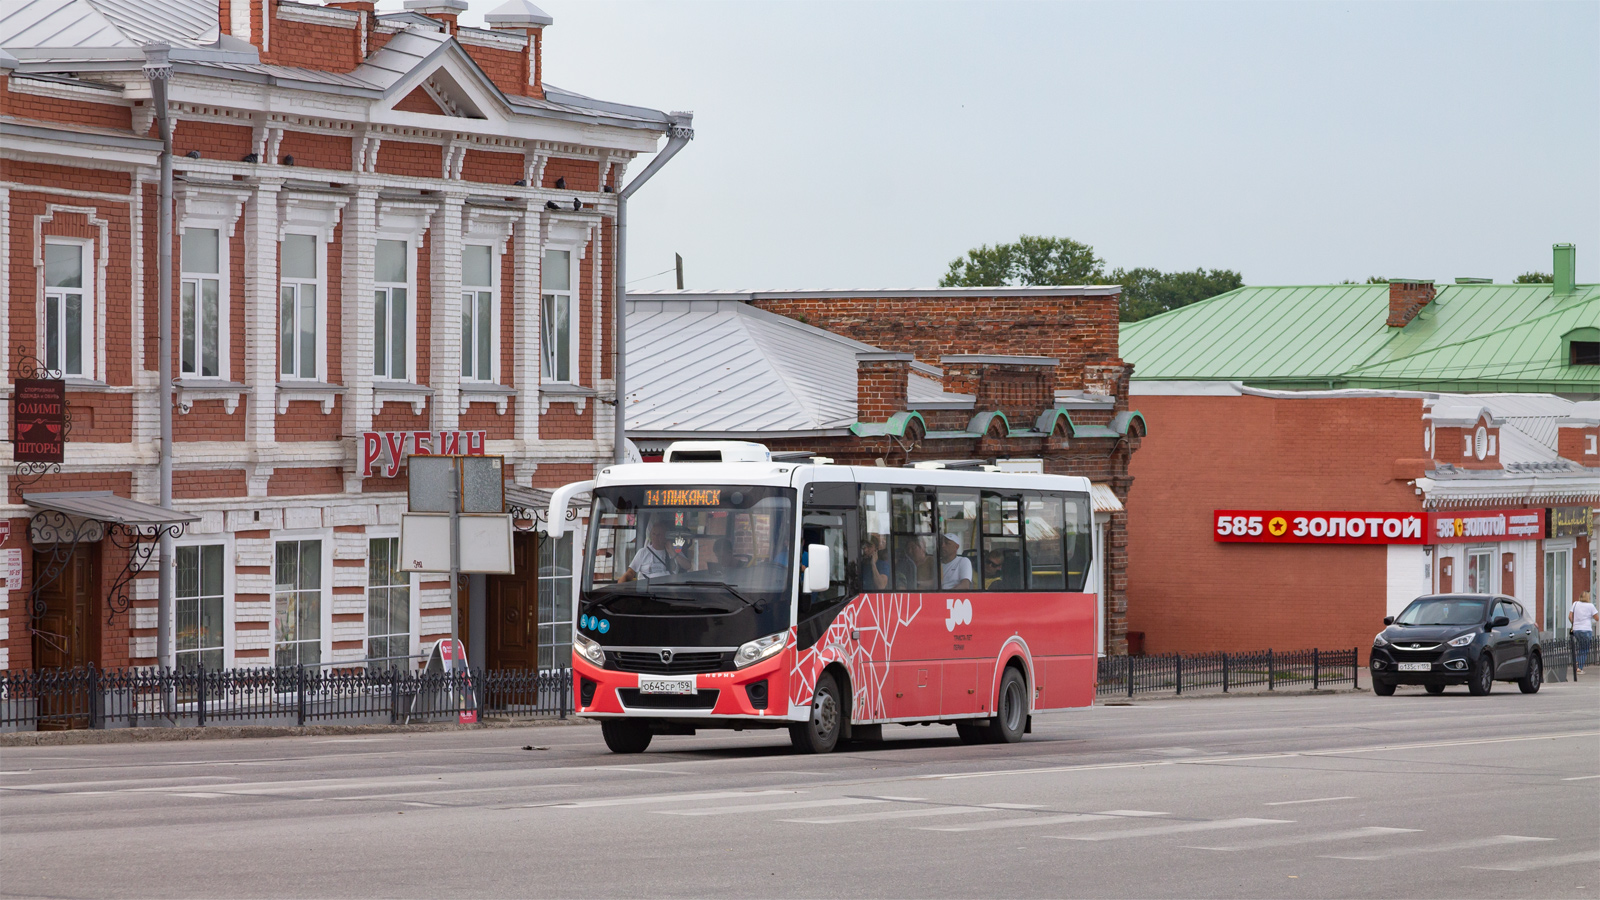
(199,594)
(388,605)
(69,308)
(202,305)
(297,601)
(1480,572)
(480,305)
(555,602)
(299,312)
(559,337)
(391,334)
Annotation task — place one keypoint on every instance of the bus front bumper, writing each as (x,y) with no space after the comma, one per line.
(759,693)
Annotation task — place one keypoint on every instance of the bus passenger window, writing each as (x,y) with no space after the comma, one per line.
(958,540)
(1080,541)
(1043,523)
(915,567)
(876,564)
(1001,560)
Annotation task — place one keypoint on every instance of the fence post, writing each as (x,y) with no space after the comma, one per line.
(1572,655)
(1130,676)
(394,696)
(200,692)
(1271,671)
(1179,661)
(1224,673)
(300,695)
(95,718)
(1316,670)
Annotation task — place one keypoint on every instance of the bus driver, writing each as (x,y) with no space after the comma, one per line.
(656,557)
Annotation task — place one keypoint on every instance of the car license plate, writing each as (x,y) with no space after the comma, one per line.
(666,685)
(1415,667)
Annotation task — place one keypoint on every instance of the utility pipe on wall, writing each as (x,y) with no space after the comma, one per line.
(678,135)
(159,71)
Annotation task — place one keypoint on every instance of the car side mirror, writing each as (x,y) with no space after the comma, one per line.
(818,565)
(1388,620)
(1499,622)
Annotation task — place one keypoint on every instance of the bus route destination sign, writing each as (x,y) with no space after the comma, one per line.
(39,420)
(683,497)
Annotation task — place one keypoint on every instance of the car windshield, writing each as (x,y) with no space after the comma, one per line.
(690,549)
(1444,611)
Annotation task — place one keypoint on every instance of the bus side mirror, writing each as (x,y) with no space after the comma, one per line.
(818,565)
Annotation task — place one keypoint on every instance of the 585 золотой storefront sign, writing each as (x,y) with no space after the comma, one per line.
(1258,526)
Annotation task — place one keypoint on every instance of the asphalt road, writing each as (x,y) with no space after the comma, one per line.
(1347,795)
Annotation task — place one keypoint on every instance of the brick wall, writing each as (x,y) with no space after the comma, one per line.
(214,140)
(580,174)
(304,481)
(51,109)
(1022,392)
(418,101)
(880,388)
(410,158)
(198,484)
(322,151)
(493,168)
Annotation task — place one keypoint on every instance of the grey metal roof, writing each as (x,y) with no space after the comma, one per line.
(724,367)
(104,506)
(45,25)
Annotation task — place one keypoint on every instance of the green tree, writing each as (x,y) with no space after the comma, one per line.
(1147,292)
(1030,260)
(1534,278)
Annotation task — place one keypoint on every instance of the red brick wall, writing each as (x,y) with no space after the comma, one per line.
(1187,592)
(418,101)
(554,475)
(880,389)
(321,151)
(1573,444)
(199,484)
(492,168)
(561,424)
(305,421)
(508,69)
(325,47)
(1021,392)
(482,417)
(214,140)
(298,482)
(410,158)
(581,174)
(51,109)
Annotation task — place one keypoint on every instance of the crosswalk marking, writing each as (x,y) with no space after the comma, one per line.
(767,807)
(1292,840)
(1177,828)
(1496,841)
(1591,856)
(665,798)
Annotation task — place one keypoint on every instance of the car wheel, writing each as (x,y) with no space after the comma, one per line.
(625,735)
(1010,709)
(971,733)
(1434,688)
(1482,677)
(1382,688)
(821,734)
(1530,681)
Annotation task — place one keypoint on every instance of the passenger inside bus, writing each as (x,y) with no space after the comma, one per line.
(722,557)
(955,570)
(874,564)
(913,570)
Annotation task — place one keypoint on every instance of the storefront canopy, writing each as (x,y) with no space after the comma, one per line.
(104,506)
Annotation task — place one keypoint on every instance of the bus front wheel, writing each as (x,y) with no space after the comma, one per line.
(821,734)
(1010,709)
(625,735)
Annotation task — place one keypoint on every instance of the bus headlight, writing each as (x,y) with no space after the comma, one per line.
(588,649)
(759,649)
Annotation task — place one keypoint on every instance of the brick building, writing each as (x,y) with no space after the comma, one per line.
(1026,378)
(391,235)
(1465,411)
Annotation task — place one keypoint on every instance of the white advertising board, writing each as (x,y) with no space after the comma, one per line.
(485,543)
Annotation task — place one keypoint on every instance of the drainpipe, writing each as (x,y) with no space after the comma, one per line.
(678,135)
(159,71)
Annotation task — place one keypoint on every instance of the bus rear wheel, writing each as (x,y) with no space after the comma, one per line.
(821,734)
(625,735)
(1010,709)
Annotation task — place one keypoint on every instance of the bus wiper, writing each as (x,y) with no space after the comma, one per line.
(733,591)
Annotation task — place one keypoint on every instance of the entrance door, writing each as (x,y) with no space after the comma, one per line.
(67,635)
(512,627)
(1557,591)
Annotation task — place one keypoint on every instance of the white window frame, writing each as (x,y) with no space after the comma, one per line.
(1473,555)
(320,257)
(222,277)
(414,647)
(325,535)
(574,337)
(469,296)
(1555,621)
(229,626)
(88,327)
(410,285)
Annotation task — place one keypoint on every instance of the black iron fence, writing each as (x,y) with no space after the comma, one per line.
(1129,676)
(48,699)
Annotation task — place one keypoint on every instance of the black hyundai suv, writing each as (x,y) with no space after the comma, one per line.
(1470,639)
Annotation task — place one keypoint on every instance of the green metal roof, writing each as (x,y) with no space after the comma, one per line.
(1472,337)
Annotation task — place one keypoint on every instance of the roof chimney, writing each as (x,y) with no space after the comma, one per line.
(1566,269)
(522,17)
(1407,297)
(444,11)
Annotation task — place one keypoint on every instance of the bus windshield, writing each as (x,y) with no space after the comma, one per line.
(690,549)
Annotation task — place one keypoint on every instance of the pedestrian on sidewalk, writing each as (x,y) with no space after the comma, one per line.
(1582,616)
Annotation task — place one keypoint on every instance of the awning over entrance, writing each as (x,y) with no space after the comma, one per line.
(1104,498)
(104,506)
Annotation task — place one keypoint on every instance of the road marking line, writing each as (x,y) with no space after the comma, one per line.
(1546,863)
(1031,822)
(1581,778)
(895,814)
(1352,834)
(1496,841)
(1316,800)
(1132,813)
(766,807)
(1178,828)
(664,798)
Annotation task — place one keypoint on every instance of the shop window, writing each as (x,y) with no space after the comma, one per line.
(68,337)
(479,313)
(388,606)
(202,305)
(299,313)
(1480,572)
(559,335)
(555,602)
(297,596)
(199,594)
(392,312)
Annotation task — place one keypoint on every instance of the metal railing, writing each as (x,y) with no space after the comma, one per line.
(1130,676)
(49,699)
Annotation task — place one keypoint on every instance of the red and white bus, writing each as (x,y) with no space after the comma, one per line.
(736,591)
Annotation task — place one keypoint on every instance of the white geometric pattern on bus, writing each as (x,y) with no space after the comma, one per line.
(879,618)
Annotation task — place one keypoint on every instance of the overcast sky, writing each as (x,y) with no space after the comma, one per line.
(865,145)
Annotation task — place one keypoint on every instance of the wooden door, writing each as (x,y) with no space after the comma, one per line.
(67,635)
(511,631)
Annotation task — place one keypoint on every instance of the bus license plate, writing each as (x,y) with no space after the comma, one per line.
(666,685)
(1415,667)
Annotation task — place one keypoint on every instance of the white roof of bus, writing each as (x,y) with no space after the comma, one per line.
(787,474)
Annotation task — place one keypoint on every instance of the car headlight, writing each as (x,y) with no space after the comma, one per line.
(759,649)
(1463,640)
(1379,641)
(588,649)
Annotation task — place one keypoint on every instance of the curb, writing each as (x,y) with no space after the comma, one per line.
(1219,695)
(230,732)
